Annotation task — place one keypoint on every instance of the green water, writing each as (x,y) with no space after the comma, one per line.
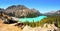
(39,18)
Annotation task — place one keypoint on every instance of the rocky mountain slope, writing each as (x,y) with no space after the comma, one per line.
(53,13)
(21,11)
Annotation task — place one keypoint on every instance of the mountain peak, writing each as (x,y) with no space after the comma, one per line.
(17,6)
(21,11)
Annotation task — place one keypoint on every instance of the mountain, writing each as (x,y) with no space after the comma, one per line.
(53,13)
(57,12)
(21,11)
(1,9)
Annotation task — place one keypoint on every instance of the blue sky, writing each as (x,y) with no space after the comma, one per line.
(42,5)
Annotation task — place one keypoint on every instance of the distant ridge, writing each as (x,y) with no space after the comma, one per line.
(53,13)
(1,9)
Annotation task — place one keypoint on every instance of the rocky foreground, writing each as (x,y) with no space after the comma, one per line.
(8,27)
(46,27)
(12,27)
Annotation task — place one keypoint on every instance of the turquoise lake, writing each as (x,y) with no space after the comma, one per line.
(39,18)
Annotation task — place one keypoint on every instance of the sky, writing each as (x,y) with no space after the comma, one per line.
(42,5)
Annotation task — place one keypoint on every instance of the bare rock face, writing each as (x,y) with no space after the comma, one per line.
(21,11)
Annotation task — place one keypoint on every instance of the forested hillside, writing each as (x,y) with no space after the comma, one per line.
(50,20)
